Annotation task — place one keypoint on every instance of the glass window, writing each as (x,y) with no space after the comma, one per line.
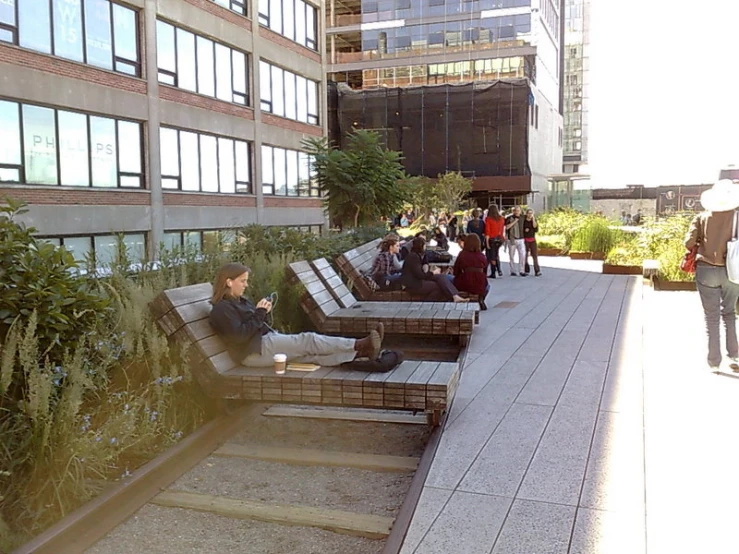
(275,15)
(288,18)
(186,72)
(51,240)
(300,31)
(102,142)
(129,147)
(313,102)
(190,156)
(169,148)
(265,87)
(165,48)
(278,91)
(74,155)
(8,175)
(34,24)
(39,142)
(193,240)
(290,104)
(243,173)
(79,247)
(303,174)
(268,174)
(292,172)
(98,41)
(206,69)
(264,12)
(280,172)
(209,163)
(67,29)
(124,23)
(106,248)
(226,165)
(7,12)
(10,133)
(301,97)
(310,27)
(224,79)
(239,76)
(135,246)
(172,241)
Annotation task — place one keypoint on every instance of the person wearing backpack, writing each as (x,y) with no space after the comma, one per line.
(710,233)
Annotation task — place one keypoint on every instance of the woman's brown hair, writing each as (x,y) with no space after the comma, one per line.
(471,243)
(493,212)
(387,243)
(227,271)
(419,245)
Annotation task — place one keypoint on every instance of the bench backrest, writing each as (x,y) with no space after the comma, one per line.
(333,282)
(183,316)
(353,262)
(317,301)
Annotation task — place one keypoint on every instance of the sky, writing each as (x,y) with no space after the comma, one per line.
(664,91)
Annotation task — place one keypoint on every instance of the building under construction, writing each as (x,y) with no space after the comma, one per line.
(455,85)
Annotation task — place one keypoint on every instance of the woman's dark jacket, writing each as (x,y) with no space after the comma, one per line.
(241,325)
(441,241)
(413,274)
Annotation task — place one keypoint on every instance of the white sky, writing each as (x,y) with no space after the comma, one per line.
(664,92)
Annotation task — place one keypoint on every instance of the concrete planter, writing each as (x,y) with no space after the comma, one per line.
(613,269)
(550,252)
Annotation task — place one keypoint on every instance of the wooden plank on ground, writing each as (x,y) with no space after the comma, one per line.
(345,414)
(361,525)
(313,457)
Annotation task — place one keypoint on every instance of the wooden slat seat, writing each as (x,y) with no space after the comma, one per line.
(346,299)
(355,262)
(415,318)
(419,386)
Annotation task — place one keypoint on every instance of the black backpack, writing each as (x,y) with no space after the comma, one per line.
(388,359)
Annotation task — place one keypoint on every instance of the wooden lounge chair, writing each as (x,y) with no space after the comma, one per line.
(420,318)
(355,262)
(414,385)
(345,298)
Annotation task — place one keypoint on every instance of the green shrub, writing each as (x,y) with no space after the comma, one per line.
(595,235)
(37,277)
(551,241)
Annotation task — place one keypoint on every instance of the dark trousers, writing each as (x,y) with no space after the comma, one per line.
(493,254)
(440,289)
(452,232)
(531,250)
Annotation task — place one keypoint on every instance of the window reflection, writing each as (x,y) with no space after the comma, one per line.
(98,39)
(288,95)
(286,173)
(10,134)
(68,29)
(39,145)
(294,19)
(189,158)
(74,155)
(102,144)
(34,25)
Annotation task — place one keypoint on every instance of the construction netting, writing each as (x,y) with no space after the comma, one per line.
(479,129)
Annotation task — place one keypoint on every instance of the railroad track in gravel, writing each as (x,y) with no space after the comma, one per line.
(264,480)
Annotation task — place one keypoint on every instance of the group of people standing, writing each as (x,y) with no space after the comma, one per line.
(516,230)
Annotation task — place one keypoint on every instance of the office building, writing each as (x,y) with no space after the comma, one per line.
(575,86)
(166,121)
(487,70)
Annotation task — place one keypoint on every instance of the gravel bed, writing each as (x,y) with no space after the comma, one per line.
(157,530)
(346,436)
(336,488)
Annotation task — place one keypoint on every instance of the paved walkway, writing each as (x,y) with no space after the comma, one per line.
(585,422)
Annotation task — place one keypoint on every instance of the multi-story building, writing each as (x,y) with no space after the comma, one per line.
(166,121)
(575,85)
(416,50)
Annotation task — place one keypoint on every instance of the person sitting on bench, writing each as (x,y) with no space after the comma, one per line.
(432,286)
(250,341)
(385,270)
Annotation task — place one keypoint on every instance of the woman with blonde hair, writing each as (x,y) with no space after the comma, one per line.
(249,340)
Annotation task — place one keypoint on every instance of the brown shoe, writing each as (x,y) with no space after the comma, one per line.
(380,328)
(369,346)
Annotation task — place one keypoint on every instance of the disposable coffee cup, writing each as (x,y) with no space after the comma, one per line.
(280,363)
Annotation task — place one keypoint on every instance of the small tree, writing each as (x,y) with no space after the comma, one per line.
(451,189)
(361,183)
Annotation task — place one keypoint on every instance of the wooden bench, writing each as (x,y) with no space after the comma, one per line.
(345,298)
(414,385)
(355,262)
(409,318)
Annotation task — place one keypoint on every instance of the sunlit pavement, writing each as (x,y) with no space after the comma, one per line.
(586,421)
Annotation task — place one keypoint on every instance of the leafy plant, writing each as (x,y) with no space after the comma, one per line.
(595,235)
(361,183)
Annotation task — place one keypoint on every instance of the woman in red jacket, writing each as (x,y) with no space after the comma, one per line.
(470,270)
(494,235)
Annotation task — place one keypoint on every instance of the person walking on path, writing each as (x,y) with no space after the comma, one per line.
(530,228)
(476,225)
(516,246)
(494,237)
(249,340)
(710,232)
(469,270)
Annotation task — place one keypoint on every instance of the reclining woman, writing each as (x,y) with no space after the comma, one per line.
(386,267)
(431,285)
(250,341)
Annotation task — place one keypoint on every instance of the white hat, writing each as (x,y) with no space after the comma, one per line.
(723,196)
